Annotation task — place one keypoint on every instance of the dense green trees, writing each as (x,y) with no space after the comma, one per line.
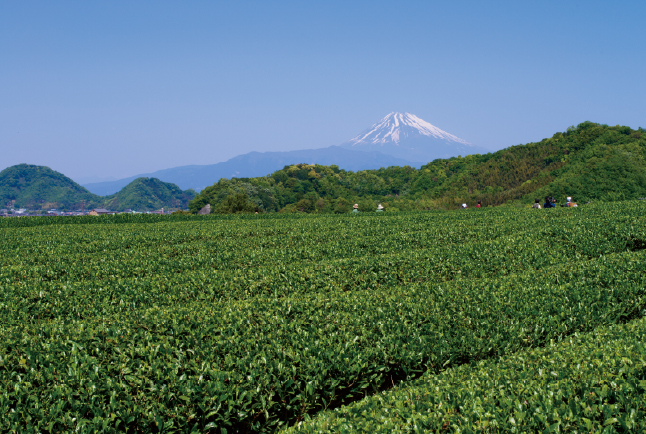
(589,162)
(259,193)
(149,194)
(39,187)
(235,204)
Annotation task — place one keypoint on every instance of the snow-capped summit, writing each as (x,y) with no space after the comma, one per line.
(406,136)
(396,126)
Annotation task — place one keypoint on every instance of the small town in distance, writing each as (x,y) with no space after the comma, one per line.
(23,212)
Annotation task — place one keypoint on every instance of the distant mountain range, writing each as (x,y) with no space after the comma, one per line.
(256,164)
(39,187)
(399,139)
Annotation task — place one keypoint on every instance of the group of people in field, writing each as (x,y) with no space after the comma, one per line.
(478,205)
(355,208)
(550,202)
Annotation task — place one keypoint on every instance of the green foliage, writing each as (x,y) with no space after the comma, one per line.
(39,187)
(367,205)
(257,191)
(591,382)
(145,194)
(252,322)
(589,162)
(610,168)
(235,204)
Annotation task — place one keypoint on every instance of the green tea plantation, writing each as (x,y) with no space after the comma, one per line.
(480,320)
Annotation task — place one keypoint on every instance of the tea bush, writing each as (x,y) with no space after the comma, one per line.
(591,382)
(254,323)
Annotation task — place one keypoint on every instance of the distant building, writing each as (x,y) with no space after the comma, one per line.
(99,211)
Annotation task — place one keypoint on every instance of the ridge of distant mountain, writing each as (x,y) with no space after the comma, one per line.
(404,135)
(39,187)
(254,164)
(90,179)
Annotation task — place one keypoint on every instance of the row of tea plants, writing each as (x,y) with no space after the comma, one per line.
(590,382)
(250,324)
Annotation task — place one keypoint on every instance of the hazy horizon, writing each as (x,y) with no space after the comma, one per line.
(118,89)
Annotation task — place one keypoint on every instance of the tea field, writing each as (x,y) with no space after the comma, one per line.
(489,320)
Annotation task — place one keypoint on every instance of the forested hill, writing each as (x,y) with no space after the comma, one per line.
(149,194)
(591,162)
(39,187)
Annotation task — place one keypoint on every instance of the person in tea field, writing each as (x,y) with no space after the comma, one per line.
(548,203)
(479,203)
(537,204)
(380,208)
(464,206)
(569,203)
(355,208)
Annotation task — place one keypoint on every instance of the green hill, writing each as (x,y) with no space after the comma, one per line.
(149,194)
(590,162)
(39,187)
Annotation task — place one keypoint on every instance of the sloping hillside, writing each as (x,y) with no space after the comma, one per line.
(606,164)
(36,187)
(590,162)
(39,187)
(148,194)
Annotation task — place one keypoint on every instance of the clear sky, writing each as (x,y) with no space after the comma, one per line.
(118,88)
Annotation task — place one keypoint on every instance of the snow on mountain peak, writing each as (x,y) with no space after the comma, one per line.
(397,126)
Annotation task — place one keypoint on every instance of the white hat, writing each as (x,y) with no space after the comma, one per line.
(464,205)
(569,198)
(356,205)
(380,207)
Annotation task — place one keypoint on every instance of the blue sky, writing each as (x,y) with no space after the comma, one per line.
(113,89)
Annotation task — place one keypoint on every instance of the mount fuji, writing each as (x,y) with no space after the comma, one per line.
(404,135)
(399,139)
